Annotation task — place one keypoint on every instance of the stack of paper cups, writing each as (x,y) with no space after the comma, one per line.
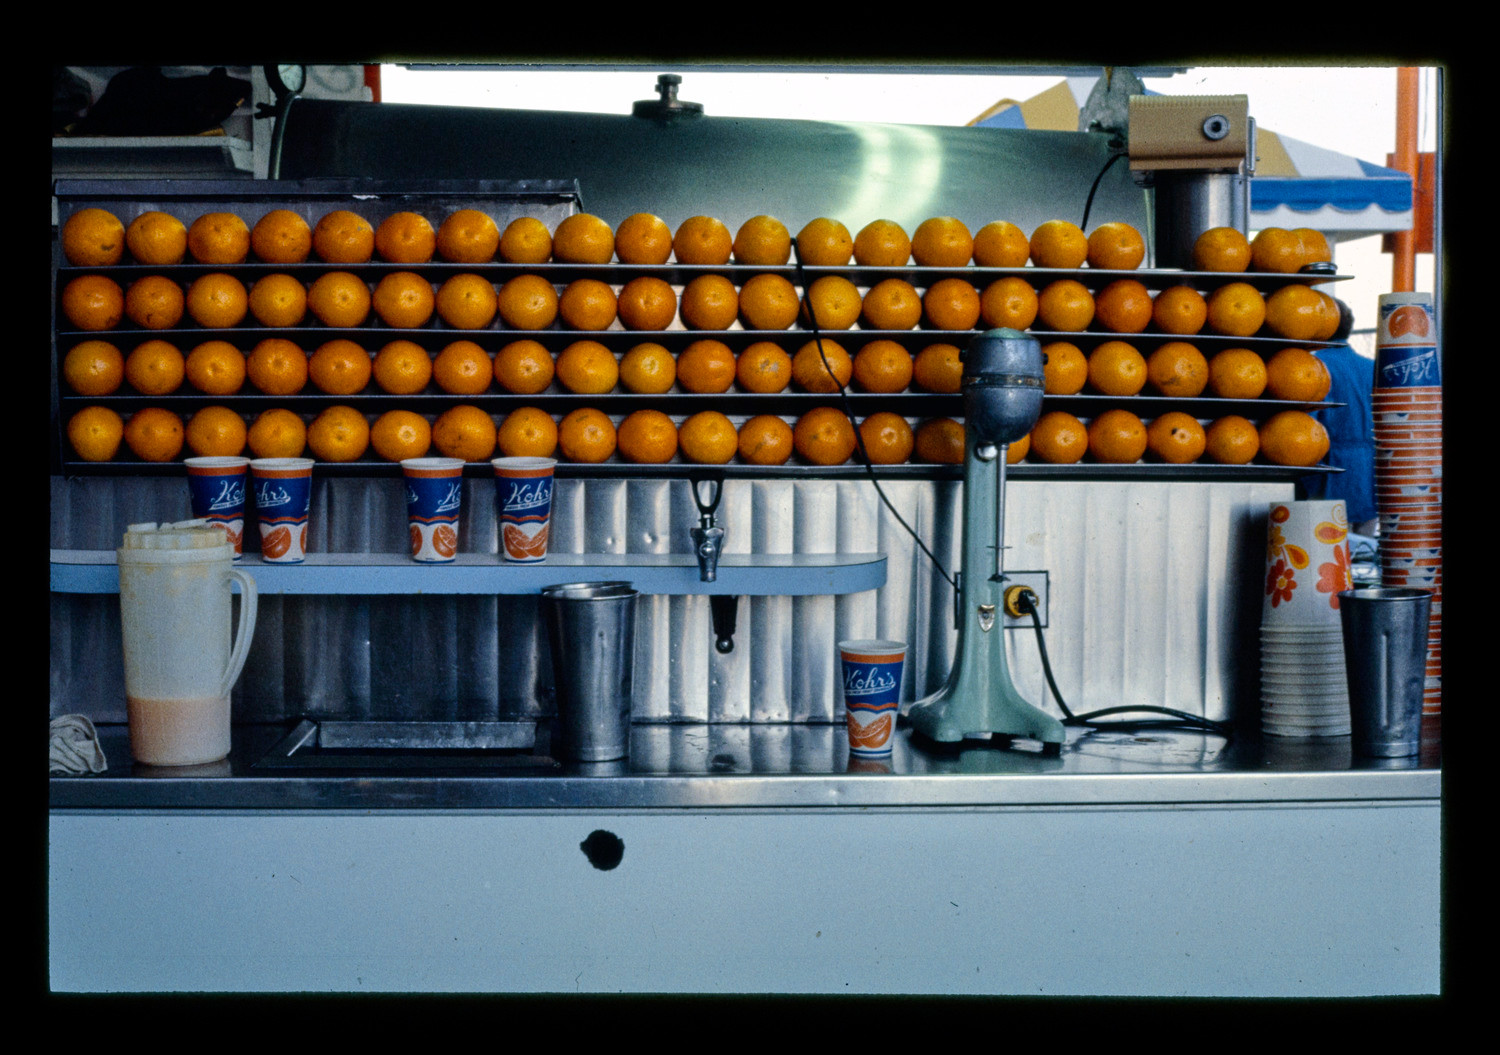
(1303,685)
(1408,422)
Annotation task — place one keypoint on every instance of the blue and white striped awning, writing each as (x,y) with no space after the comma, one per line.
(1296,184)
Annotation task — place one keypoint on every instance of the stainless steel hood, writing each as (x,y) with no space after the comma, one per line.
(732,168)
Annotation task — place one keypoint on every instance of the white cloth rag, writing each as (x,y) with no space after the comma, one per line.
(74,746)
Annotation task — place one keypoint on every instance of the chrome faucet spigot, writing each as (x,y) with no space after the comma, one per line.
(708,539)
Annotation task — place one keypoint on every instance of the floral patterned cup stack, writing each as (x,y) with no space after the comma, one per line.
(1304,689)
(1407,407)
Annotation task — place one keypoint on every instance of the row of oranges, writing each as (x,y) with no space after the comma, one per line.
(406,300)
(341,367)
(822,436)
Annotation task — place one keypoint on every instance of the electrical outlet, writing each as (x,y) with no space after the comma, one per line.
(1037,582)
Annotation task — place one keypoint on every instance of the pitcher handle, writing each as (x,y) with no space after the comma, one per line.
(247,628)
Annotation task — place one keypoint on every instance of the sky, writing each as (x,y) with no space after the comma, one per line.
(1351,110)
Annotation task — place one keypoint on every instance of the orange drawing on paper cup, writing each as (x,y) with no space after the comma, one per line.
(870,736)
(1407,319)
(519,544)
(276,543)
(445,540)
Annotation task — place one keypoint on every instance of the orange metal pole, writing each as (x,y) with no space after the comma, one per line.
(1404,252)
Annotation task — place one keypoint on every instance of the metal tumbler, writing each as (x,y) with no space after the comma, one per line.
(1385,654)
(591,631)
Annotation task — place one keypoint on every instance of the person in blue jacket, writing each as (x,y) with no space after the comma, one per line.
(1351,432)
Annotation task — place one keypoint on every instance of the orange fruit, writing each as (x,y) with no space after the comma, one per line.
(525,240)
(1058,243)
(765,440)
(702,240)
(94,368)
(882,243)
(824,242)
(404,299)
(399,434)
(468,236)
(1296,312)
(155,368)
(1237,373)
(762,241)
(340,367)
(647,437)
(219,238)
(951,304)
(583,239)
(938,368)
(588,368)
(1299,375)
(277,367)
(402,368)
(1332,317)
(339,299)
(941,241)
(406,238)
(1059,437)
(887,438)
(216,367)
(278,301)
(93,302)
(524,367)
(93,237)
(1315,247)
(706,366)
(1236,310)
(156,238)
(1117,369)
(1001,243)
(527,432)
(1276,249)
(280,237)
(467,302)
(763,366)
(648,368)
(464,431)
(277,433)
(154,434)
(217,301)
(1221,249)
(824,436)
(1293,437)
(1232,440)
(1179,310)
(527,302)
(643,238)
(1177,369)
(647,303)
(883,366)
(709,302)
(1116,247)
(1065,369)
(1176,438)
(834,302)
(463,368)
(768,302)
(1066,305)
(1123,306)
(811,375)
(940,440)
(1008,301)
(1017,450)
(588,304)
(586,435)
(154,302)
(338,434)
(1117,437)
(891,304)
(95,433)
(216,432)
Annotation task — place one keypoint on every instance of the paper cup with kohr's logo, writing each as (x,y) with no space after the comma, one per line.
(523,507)
(872,692)
(434,494)
(216,487)
(283,492)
